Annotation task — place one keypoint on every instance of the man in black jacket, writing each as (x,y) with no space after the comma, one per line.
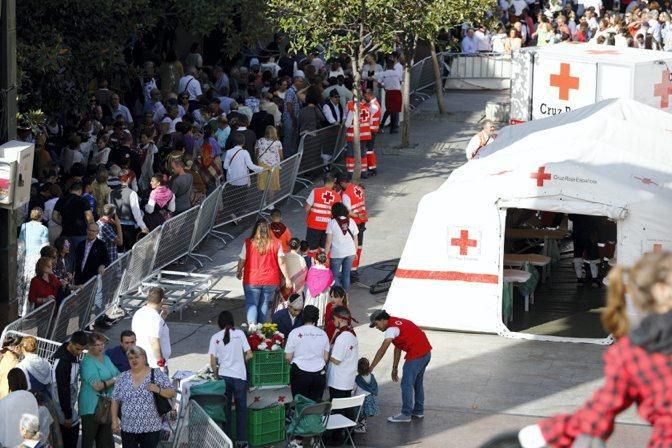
(66,376)
(291,317)
(91,256)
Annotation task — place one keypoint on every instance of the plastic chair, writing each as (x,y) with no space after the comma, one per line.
(339,421)
(311,421)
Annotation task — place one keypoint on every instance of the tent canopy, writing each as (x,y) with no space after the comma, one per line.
(609,159)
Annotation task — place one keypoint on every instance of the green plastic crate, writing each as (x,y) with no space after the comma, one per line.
(264,426)
(268,368)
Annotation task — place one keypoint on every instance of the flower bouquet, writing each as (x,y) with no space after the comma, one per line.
(265,337)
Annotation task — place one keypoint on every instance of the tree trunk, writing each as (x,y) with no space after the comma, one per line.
(438,84)
(406,101)
(356,143)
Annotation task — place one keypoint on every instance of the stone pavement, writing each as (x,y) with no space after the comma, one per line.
(477,385)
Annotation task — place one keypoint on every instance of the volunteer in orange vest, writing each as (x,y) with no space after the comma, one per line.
(354,198)
(374,106)
(364,135)
(406,337)
(318,209)
(481,140)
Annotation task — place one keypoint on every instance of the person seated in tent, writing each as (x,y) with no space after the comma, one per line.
(481,140)
(585,238)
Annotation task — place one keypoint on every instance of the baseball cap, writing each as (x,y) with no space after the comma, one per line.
(376,316)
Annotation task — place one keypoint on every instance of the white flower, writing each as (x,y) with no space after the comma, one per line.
(252,328)
(263,346)
(276,347)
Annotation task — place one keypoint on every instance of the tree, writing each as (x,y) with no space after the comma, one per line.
(352,27)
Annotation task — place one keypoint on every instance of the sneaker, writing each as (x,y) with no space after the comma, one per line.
(418,415)
(399,418)
(295,444)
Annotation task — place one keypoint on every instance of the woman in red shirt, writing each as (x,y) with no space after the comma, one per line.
(338,298)
(45,285)
(261,263)
(638,366)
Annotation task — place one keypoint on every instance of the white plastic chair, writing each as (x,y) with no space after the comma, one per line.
(338,421)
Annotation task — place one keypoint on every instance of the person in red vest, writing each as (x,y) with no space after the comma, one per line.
(406,337)
(364,135)
(354,198)
(374,106)
(318,210)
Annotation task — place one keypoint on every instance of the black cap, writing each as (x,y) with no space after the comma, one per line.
(376,316)
(341,177)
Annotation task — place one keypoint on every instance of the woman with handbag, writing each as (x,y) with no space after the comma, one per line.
(143,395)
(98,375)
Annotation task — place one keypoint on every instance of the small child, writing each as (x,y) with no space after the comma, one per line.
(318,281)
(280,231)
(365,383)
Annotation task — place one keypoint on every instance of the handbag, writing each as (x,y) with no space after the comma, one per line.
(163,405)
(103,414)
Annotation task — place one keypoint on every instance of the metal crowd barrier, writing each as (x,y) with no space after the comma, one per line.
(175,239)
(74,313)
(204,223)
(197,429)
(110,286)
(45,347)
(36,323)
(142,260)
(318,149)
(286,174)
(241,201)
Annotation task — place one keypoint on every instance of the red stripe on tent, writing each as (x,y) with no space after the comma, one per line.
(447,276)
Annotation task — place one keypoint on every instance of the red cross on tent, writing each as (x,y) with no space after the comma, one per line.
(300,335)
(257,399)
(646,181)
(564,81)
(541,175)
(463,242)
(603,52)
(328,197)
(281,399)
(217,341)
(663,89)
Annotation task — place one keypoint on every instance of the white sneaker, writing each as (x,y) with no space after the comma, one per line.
(295,444)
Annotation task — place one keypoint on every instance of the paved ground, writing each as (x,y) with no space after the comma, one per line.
(477,385)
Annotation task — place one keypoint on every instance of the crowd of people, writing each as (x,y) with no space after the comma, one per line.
(519,23)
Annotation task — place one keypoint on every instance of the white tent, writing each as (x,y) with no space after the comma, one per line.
(612,159)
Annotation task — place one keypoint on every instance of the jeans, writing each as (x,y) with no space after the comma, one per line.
(236,389)
(257,300)
(411,382)
(290,139)
(140,440)
(341,268)
(96,434)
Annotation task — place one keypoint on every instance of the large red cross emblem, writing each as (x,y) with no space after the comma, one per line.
(663,89)
(463,242)
(359,193)
(364,115)
(328,197)
(564,82)
(541,175)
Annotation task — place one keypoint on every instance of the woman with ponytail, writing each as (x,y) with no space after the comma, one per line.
(228,351)
(638,366)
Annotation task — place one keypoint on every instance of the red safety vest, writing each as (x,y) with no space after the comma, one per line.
(357,202)
(374,105)
(411,338)
(320,212)
(364,122)
(261,269)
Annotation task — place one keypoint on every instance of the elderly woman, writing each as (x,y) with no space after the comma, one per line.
(29,427)
(45,285)
(140,424)
(33,237)
(98,375)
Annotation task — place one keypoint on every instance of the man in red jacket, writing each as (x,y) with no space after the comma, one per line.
(409,338)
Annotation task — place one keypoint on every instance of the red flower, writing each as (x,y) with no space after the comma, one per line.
(254,340)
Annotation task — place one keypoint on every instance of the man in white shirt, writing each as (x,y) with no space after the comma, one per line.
(307,350)
(151,330)
(344,355)
(468,43)
(343,92)
(119,110)
(480,140)
(170,120)
(190,85)
(482,40)
(332,109)
(238,163)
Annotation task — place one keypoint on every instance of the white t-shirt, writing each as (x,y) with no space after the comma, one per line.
(147,323)
(230,357)
(342,245)
(238,163)
(391,333)
(309,346)
(12,407)
(346,350)
(191,85)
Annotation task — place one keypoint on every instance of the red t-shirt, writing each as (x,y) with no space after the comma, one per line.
(262,269)
(40,290)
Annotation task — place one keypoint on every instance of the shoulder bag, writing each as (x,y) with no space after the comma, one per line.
(163,405)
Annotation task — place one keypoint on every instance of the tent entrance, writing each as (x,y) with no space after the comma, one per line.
(554,248)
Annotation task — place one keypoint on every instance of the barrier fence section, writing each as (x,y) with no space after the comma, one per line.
(478,66)
(75,312)
(318,149)
(109,284)
(283,179)
(197,429)
(36,323)
(175,240)
(45,347)
(204,223)
(242,197)
(141,262)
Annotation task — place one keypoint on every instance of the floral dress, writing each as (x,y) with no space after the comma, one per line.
(138,411)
